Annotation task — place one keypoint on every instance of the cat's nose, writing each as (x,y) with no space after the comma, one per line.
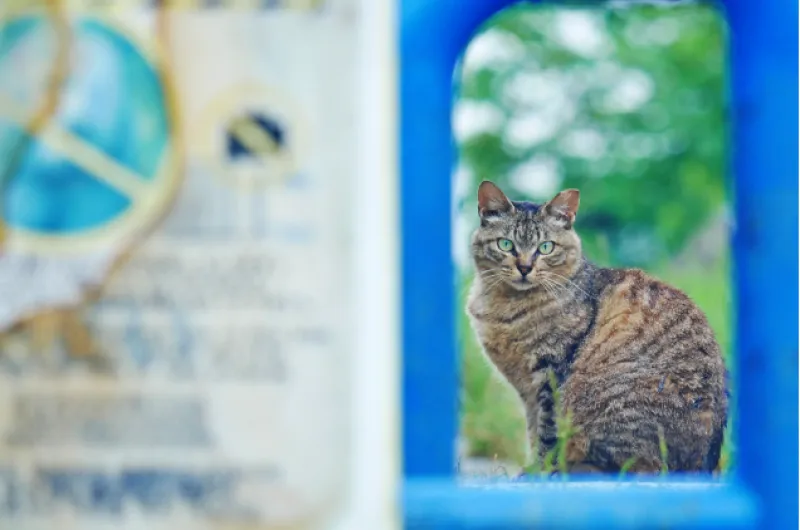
(524,269)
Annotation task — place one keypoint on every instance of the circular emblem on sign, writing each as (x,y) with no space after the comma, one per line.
(253,137)
(105,168)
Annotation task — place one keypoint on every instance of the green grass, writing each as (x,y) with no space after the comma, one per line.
(491,416)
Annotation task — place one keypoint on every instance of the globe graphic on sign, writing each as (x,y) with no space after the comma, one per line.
(104,167)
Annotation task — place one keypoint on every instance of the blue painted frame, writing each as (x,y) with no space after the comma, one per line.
(763,491)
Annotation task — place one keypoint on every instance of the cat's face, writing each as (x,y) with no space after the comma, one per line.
(525,245)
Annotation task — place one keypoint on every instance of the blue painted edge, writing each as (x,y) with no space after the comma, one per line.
(579,505)
(428,53)
(764,107)
(763,74)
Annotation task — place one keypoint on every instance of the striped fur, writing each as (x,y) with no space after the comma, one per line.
(633,357)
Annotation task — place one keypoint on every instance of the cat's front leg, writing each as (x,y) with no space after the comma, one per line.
(533,413)
(532,419)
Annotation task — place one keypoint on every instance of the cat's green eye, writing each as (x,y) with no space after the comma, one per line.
(505,245)
(546,248)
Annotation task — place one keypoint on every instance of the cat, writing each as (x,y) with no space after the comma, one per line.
(634,359)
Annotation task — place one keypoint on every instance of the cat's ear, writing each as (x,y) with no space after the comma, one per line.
(492,201)
(564,207)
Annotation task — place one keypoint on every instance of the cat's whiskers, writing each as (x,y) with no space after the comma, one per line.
(547,286)
(482,274)
(491,278)
(552,289)
(488,283)
(491,273)
(569,282)
(550,292)
(551,286)
(494,282)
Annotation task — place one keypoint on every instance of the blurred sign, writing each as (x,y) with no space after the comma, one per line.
(101,6)
(100,172)
(252,136)
(213,300)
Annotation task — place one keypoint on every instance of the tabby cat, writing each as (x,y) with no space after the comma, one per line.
(634,359)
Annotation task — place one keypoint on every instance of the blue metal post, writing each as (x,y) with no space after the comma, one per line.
(432,36)
(764,74)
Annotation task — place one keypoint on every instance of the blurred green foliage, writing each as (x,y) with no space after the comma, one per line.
(625,104)
(628,105)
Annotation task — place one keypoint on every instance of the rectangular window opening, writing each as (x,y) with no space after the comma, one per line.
(628,105)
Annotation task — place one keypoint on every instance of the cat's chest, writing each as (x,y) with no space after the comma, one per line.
(526,329)
(527,333)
